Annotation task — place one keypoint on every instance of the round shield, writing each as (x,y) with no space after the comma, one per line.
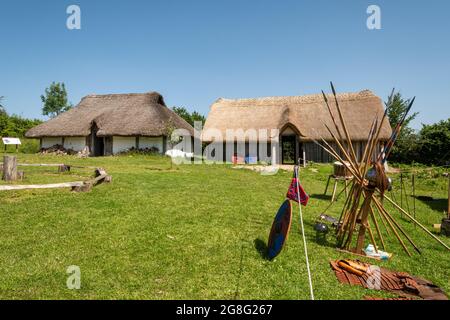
(280,229)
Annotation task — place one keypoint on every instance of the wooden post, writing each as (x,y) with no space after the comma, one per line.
(414,195)
(406,197)
(328,183)
(304,159)
(9,168)
(448,207)
(365,210)
(401,190)
(334,190)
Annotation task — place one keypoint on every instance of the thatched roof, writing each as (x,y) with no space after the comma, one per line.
(305,114)
(134,114)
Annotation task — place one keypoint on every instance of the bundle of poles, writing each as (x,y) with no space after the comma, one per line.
(364,210)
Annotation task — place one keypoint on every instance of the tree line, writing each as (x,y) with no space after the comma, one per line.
(14,125)
(430,145)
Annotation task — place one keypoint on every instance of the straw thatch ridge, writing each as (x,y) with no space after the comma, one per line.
(133,114)
(305,113)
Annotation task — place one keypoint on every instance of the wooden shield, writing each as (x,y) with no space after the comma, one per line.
(280,230)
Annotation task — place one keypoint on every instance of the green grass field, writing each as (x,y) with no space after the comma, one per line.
(184,232)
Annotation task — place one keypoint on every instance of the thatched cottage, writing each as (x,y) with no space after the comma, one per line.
(299,120)
(112,123)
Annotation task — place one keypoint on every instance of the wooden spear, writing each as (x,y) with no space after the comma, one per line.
(418,223)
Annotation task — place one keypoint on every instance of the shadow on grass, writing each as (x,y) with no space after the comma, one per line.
(321,197)
(262,249)
(434,204)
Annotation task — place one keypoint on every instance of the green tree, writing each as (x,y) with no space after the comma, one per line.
(55,100)
(435,143)
(2,108)
(406,148)
(4,122)
(189,117)
(198,117)
(183,113)
(16,126)
(397,107)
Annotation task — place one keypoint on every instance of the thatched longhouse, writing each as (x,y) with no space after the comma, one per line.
(299,120)
(109,124)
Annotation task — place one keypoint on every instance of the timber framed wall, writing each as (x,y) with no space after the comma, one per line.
(316,153)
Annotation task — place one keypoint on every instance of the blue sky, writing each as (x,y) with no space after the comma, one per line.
(194,52)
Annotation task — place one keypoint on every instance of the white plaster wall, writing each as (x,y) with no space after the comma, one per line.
(123,143)
(276,153)
(51,141)
(149,142)
(75,143)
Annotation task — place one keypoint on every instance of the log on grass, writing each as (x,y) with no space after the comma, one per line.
(101,176)
(40,164)
(84,187)
(77,186)
(42,186)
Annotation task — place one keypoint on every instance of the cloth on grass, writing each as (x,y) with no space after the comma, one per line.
(400,283)
(379,298)
(292,193)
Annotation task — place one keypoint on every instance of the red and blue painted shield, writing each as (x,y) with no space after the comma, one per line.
(280,230)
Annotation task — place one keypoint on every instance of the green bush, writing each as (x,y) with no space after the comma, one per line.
(429,146)
(434,145)
(28,146)
(16,127)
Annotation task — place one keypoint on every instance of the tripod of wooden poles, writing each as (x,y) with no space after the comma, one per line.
(364,211)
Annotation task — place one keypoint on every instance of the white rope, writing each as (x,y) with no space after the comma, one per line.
(296,170)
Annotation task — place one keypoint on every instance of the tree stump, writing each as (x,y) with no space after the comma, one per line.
(63,168)
(445,227)
(9,168)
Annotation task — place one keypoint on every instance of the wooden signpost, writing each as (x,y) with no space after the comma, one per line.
(12,141)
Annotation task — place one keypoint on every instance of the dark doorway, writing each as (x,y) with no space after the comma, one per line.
(108,141)
(98,145)
(288,150)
